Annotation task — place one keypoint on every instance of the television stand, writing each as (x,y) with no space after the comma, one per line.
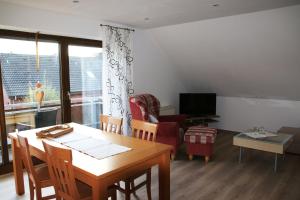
(202,120)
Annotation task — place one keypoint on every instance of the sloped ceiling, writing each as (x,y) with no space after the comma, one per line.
(159,12)
(249,55)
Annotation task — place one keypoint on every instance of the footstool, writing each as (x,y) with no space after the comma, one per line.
(199,141)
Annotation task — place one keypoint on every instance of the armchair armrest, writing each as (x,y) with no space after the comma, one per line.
(180,119)
(172,118)
(168,129)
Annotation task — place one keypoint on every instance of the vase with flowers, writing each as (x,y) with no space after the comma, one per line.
(39,94)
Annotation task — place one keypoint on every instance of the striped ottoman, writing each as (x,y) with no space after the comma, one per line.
(199,141)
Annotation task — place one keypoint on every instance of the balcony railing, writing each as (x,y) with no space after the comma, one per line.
(83,110)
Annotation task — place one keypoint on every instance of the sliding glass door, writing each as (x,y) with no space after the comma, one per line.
(31,91)
(47,80)
(85,84)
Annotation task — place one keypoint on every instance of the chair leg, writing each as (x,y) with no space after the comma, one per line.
(38,192)
(31,189)
(172,156)
(114,195)
(127,190)
(206,159)
(148,176)
(132,188)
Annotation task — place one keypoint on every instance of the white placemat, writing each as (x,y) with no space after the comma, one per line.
(92,146)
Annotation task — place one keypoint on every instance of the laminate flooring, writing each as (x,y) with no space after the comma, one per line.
(223,178)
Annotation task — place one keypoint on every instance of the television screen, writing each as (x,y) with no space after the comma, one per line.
(197,104)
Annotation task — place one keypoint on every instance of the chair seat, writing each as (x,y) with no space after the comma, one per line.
(43,175)
(42,172)
(85,191)
(134,177)
(138,174)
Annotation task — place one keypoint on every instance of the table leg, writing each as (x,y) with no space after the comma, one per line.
(18,168)
(240,156)
(164,177)
(99,191)
(275,164)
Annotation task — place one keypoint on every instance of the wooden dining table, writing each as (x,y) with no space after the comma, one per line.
(101,173)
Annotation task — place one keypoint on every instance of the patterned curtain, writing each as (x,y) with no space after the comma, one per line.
(117,74)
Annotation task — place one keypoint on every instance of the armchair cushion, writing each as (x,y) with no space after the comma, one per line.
(168,133)
(153,119)
(173,118)
(168,129)
(144,105)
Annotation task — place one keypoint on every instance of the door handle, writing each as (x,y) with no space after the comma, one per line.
(69,95)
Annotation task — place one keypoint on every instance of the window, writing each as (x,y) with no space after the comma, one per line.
(65,86)
(30,92)
(85,84)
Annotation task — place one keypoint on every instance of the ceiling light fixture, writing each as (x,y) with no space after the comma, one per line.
(75,1)
(146,19)
(215,5)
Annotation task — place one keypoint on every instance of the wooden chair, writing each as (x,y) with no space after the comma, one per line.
(110,124)
(59,160)
(145,131)
(38,177)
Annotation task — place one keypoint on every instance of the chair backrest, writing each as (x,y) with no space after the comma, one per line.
(144,130)
(142,105)
(61,172)
(45,118)
(110,124)
(26,158)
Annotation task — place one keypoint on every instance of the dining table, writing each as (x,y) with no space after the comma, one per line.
(104,172)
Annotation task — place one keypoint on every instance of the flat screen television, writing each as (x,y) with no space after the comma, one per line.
(197,104)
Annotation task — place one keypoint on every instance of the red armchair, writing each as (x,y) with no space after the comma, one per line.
(145,107)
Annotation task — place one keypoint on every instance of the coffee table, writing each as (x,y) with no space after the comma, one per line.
(276,144)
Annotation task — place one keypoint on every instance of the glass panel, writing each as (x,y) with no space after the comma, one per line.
(86,84)
(31,94)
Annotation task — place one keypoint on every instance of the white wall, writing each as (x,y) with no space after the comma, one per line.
(250,60)
(247,55)
(240,114)
(153,72)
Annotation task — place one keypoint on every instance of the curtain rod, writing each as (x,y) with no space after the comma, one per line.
(117,27)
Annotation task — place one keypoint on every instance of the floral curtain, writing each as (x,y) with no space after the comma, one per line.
(117,74)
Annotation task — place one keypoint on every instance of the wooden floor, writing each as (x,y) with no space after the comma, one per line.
(222,178)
